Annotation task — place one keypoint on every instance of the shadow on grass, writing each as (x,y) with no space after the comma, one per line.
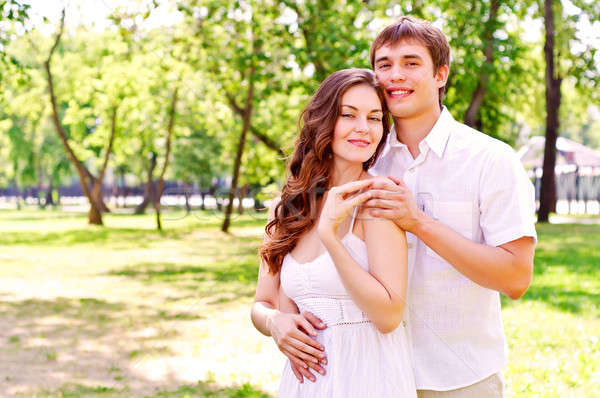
(96,235)
(566,273)
(45,331)
(567,300)
(205,389)
(98,315)
(116,236)
(221,281)
(211,389)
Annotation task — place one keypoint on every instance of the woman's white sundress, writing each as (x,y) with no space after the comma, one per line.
(361,361)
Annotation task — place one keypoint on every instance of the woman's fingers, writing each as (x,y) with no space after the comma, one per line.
(381,213)
(352,186)
(359,199)
(380,204)
(386,183)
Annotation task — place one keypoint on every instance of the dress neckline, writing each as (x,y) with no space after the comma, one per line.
(350,233)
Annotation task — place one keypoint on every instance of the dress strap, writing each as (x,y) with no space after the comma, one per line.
(353,219)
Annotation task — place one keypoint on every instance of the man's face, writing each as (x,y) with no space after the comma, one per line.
(405,72)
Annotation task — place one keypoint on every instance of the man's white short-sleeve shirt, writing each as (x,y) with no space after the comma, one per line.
(477,186)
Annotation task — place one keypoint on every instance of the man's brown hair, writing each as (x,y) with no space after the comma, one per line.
(411,28)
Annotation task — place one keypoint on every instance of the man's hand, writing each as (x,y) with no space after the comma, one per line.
(291,334)
(392,199)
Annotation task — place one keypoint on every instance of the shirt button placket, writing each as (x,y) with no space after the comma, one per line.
(410,178)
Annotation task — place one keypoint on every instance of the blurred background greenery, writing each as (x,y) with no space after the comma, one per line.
(109,108)
(139,98)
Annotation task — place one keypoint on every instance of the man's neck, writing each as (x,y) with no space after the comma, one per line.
(411,131)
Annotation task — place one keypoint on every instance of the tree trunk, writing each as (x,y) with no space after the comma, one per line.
(168,139)
(243,193)
(240,151)
(94,215)
(471,117)
(242,142)
(49,200)
(97,187)
(187,191)
(548,187)
(141,208)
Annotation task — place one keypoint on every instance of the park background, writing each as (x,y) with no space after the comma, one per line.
(140,141)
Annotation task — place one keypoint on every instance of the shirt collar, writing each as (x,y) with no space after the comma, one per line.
(436,140)
(438,136)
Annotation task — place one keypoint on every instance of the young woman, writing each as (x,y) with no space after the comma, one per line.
(323,259)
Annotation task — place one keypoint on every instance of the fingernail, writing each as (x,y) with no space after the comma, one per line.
(324,361)
(322,372)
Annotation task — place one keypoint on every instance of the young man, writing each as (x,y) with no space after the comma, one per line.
(468,208)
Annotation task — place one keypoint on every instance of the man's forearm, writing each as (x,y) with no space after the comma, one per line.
(493,267)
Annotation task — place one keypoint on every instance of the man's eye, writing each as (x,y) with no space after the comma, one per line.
(383,66)
(412,64)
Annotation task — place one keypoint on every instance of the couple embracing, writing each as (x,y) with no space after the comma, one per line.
(385,254)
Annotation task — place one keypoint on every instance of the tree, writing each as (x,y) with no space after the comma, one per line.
(563,60)
(12,12)
(91,113)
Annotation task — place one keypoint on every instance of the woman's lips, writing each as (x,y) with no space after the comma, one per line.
(359,143)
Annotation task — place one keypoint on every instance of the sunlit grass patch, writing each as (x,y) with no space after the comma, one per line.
(123,310)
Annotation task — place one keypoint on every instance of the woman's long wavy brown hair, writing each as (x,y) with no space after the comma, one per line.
(310,165)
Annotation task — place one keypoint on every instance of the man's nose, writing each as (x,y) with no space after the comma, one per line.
(398,74)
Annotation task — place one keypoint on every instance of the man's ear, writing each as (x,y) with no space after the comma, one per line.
(442,75)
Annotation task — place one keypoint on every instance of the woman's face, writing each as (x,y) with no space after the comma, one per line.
(358,129)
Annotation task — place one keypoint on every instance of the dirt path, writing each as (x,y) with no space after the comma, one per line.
(137,326)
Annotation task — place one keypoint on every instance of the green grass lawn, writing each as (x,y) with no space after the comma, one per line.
(123,310)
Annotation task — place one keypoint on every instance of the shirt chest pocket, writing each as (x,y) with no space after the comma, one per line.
(457,215)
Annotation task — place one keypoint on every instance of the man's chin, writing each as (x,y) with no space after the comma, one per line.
(402,112)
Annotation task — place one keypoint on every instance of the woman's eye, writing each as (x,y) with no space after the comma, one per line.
(376,118)
(347,115)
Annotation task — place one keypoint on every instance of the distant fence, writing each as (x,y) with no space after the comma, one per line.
(577,189)
(175,194)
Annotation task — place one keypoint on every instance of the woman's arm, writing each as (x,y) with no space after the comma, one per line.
(381,292)
(274,314)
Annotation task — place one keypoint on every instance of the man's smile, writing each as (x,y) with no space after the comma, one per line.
(399,92)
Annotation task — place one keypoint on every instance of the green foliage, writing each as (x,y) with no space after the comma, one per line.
(292,45)
(13,15)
